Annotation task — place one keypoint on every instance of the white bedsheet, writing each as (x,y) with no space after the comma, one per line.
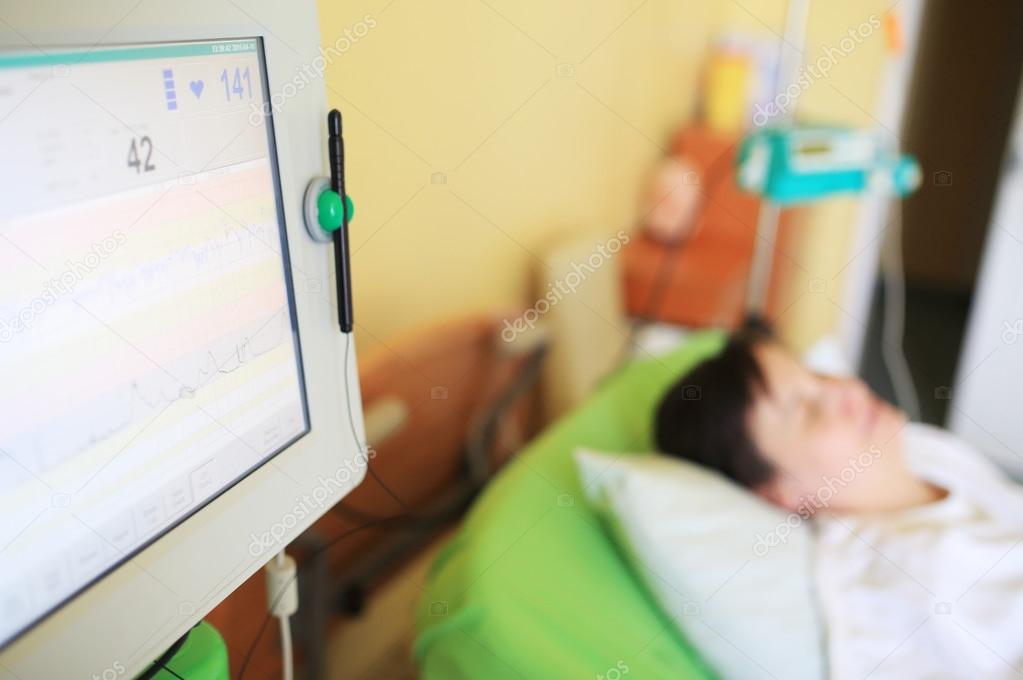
(935,591)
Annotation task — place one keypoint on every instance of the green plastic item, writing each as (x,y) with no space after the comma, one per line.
(202,657)
(328,210)
(532,586)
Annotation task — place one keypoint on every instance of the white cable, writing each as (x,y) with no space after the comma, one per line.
(285,621)
(282,598)
(894,319)
(286,655)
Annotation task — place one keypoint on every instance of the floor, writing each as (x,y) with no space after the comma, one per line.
(378,644)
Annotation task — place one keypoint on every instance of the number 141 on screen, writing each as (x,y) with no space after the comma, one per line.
(237,84)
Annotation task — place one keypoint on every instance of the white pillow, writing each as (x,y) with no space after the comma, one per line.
(731,570)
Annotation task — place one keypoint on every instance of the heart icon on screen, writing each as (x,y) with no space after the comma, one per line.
(196,87)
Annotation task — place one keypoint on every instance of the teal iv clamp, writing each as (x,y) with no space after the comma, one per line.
(801,164)
(323,212)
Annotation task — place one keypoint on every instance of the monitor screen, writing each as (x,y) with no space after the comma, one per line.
(149,354)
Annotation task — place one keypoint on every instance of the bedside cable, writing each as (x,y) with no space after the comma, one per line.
(282,599)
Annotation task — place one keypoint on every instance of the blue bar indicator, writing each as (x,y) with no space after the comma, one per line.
(168,89)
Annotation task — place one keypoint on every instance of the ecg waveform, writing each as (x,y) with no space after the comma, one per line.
(145,397)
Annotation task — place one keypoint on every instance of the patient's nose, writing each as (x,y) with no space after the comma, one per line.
(855,396)
(847,396)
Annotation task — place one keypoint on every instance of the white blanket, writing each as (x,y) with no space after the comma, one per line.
(935,591)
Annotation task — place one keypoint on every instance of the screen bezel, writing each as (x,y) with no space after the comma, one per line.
(285,262)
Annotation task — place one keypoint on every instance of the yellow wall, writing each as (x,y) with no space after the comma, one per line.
(541,118)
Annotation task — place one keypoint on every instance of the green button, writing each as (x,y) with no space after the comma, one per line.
(328,210)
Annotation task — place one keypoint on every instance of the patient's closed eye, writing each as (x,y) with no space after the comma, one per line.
(814,406)
(811,405)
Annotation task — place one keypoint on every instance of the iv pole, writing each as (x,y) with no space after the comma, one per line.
(789,62)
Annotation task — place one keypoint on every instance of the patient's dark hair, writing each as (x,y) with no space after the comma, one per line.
(702,417)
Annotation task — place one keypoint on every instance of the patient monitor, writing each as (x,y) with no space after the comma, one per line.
(176,400)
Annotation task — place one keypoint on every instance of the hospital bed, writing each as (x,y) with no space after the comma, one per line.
(532,585)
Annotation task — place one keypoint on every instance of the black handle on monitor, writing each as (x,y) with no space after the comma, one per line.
(342,266)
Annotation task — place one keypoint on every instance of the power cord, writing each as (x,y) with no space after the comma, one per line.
(283,571)
(364,448)
(282,596)
(476,451)
(160,664)
(165,667)
(282,588)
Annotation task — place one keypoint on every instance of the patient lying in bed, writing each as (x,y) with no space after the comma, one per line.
(919,567)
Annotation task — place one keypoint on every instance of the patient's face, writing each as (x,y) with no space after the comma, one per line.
(832,441)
